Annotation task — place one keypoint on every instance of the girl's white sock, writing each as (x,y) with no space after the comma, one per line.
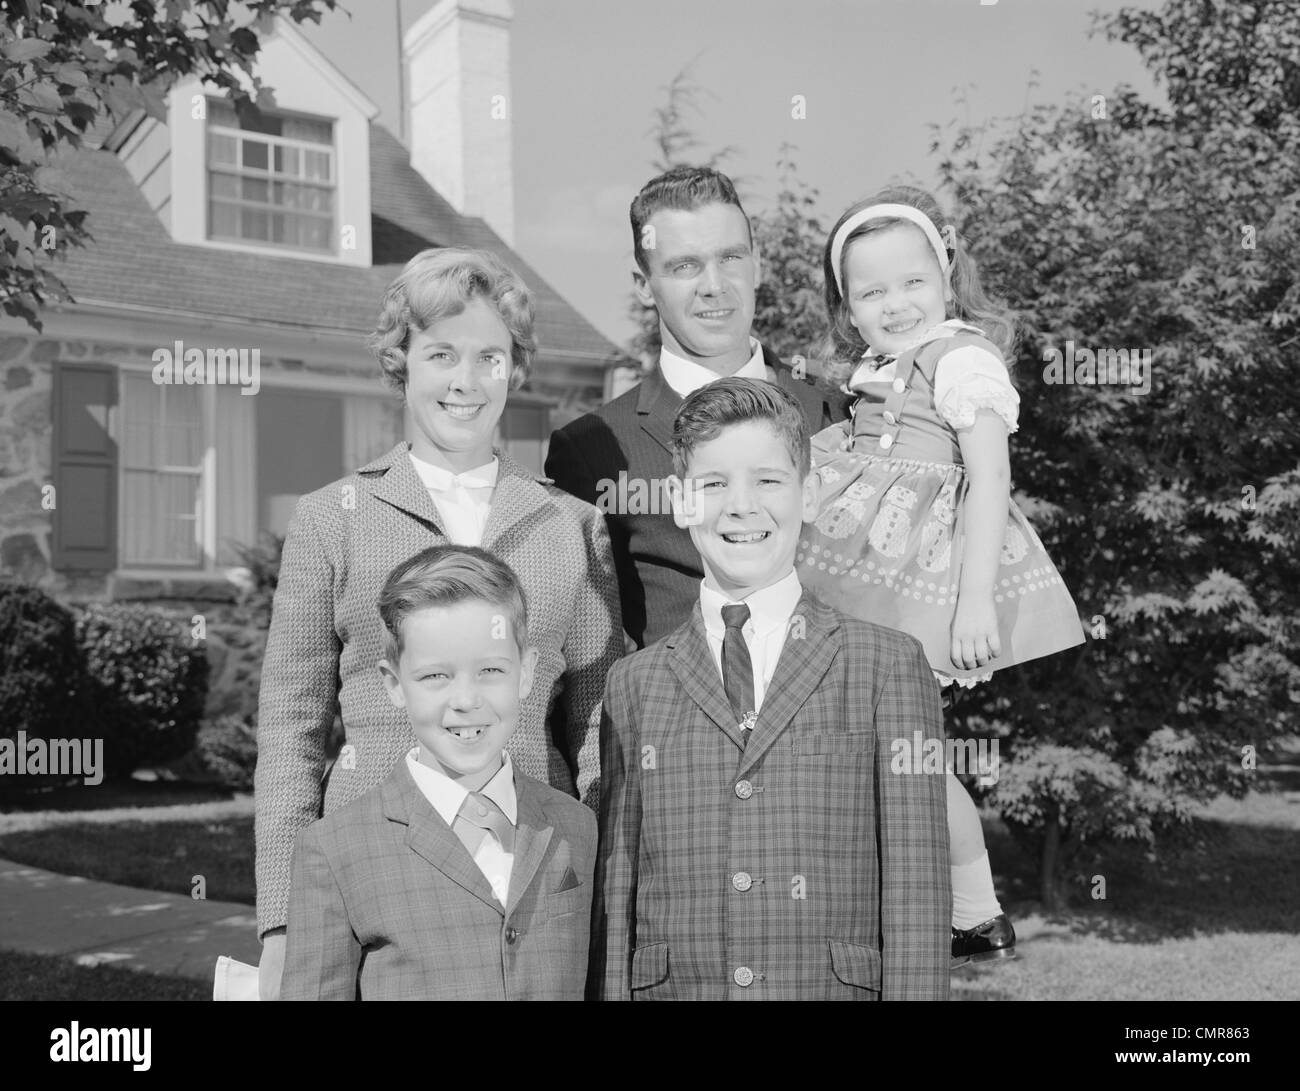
(973,899)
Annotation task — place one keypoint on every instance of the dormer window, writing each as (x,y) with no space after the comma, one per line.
(271,182)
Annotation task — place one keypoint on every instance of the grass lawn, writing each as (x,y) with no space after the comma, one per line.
(150,854)
(50,977)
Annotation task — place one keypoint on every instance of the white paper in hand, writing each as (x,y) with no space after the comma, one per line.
(234,980)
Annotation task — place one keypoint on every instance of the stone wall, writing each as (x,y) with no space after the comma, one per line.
(26,529)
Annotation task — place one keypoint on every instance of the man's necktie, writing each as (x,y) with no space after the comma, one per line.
(478,816)
(737,669)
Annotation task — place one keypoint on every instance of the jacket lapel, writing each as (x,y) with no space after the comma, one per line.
(430,838)
(656,406)
(692,662)
(400,486)
(518,496)
(811,646)
(533,832)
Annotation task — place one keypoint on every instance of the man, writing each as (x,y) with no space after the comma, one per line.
(696,264)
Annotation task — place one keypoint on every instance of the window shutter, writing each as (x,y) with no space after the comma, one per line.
(85,467)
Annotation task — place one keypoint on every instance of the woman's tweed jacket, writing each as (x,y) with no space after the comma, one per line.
(325,642)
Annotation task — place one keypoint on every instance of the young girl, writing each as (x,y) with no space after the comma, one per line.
(917,530)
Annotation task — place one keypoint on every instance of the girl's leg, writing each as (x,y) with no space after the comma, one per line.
(973,898)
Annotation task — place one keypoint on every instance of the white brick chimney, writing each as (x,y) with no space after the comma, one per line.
(457,58)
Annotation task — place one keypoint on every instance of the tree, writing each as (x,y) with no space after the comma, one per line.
(790,309)
(1112,223)
(65,66)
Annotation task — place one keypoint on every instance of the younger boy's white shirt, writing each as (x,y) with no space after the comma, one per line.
(770,611)
(463,500)
(447,797)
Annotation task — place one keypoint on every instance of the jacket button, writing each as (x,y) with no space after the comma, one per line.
(899,386)
(889,417)
(744,789)
(742,881)
(744,977)
(511,935)
(886,442)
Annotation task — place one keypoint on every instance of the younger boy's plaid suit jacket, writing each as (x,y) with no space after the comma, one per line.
(797,867)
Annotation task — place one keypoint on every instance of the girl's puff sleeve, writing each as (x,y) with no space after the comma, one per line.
(971,378)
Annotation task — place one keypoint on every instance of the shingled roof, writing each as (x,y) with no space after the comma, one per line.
(134,262)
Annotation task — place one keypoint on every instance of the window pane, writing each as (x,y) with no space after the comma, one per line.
(301,128)
(223,185)
(182,432)
(257,189)
(287,160)
(316,166)
(254,225)
(255,154)
(222,150)
(224,220)
(220,112)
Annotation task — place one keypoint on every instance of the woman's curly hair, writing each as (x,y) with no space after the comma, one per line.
(437,284)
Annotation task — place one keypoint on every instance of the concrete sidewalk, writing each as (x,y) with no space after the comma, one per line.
(95,923)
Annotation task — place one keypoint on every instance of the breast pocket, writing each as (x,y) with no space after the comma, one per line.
(842,742)
(577,900)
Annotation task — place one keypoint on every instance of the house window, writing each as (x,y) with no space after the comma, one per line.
(162,473)
(271,182)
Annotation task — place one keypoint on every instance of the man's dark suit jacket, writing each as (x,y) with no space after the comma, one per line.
(631,438)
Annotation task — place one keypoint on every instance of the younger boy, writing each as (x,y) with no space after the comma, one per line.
(753,842)
(458,877)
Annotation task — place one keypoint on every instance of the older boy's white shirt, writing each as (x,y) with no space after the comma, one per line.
(770,610)
(463,500)
(686,376)
(446,797)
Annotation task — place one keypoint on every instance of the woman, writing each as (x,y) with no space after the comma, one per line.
(454,337)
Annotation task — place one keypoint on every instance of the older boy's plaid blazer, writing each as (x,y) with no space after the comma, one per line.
(324,644)
(386,902)
(796,868)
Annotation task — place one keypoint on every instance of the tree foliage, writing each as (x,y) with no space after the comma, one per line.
(1175,515)
(64,67)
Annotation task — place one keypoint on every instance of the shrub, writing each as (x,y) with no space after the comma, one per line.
(227,747)
(148,682)
(41,676)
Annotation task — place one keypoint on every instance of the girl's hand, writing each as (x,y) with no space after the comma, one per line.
(975,632)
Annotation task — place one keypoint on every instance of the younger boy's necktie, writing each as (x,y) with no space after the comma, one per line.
(737,668)
(477,817)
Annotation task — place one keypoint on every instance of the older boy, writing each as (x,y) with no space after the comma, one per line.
(754,843)
(459,877)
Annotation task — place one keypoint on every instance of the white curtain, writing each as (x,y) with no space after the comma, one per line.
(236,484)
(161,458)
(370,428)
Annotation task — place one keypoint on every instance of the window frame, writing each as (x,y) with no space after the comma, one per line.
(271,178)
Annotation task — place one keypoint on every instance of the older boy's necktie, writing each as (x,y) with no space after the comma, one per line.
(477,817)
(737,668)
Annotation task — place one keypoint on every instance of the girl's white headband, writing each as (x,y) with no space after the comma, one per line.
(882,212)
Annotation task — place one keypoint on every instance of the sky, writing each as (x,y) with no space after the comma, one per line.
(874,75)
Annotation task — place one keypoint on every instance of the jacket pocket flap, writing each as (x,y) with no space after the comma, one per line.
(844,742)
(649,965)
(855,964)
